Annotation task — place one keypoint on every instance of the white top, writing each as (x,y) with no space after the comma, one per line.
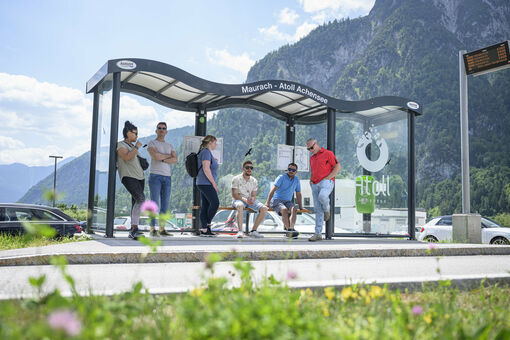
(160,167)
(245,187)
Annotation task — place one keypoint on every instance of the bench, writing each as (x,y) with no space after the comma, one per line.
(248,212)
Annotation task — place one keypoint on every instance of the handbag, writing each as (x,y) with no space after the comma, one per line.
(143,162)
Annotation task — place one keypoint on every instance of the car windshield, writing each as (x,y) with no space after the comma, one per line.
(119,220)
(490,223)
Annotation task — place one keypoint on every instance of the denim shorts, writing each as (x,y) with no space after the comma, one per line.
(277,204)
(255,206)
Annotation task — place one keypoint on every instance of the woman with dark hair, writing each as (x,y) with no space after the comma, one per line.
(206,184)
(131,173)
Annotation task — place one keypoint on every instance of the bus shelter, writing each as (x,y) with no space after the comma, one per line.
(385,125)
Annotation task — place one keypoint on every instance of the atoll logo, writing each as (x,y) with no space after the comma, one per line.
(366,139)
(126,64)
(413,105)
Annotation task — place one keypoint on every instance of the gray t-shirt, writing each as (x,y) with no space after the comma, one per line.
(160,167)
(131,168)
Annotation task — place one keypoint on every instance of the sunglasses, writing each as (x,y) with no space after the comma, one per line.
(292,170)
(311,148)
(161,128)
(248,167)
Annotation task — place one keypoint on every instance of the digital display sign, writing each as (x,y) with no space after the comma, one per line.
(487,58)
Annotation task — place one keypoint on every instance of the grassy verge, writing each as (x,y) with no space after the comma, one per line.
(268,310)
(17,241)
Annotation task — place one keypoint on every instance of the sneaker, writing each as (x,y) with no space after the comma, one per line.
(292,233)
(164,233)
(134,233)
(326,216)
(207,233)
(315,237)
(153,233)
(255,234)
(240,235)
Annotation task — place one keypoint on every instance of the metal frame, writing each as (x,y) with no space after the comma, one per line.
(328,109)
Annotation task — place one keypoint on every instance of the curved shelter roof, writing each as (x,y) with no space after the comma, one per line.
(284,100)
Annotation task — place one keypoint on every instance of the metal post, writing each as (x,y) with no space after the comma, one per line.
(112,164)
(290,132)
(331,126)
(411,184)
(55,178)
(200,130)
(367,218)
(464,138)
(93,155)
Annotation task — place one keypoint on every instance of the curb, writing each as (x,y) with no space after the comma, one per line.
(201,256)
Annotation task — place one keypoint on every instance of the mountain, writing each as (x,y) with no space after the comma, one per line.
(73,178)
(17,178)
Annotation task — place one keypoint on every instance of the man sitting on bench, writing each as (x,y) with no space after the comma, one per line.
(244,193)
(283,190)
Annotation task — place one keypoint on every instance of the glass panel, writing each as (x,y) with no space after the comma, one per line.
(103,149)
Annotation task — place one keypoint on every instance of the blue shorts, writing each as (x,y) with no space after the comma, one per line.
(277,204)
(255,206)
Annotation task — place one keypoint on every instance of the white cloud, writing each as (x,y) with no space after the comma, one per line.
(40,119)
(311,6)
(241,63)
(288,16)
(273,33)
(175,118)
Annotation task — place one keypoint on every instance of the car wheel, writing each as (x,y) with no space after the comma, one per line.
(430,239)
(500,240)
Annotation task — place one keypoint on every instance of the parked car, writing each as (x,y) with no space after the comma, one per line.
(124,223)
(225,221)
(13,215)
(440,229)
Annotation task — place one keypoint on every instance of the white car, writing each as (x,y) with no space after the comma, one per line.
(225,220)
(440,229)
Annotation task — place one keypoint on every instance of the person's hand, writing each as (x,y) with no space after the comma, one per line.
(138,144)
(251,200)
(215,187)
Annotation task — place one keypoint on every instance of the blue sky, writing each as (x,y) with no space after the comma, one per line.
(49,49)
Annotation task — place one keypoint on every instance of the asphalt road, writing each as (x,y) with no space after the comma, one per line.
(180,277)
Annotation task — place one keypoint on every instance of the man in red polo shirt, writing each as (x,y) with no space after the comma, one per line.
(324,167)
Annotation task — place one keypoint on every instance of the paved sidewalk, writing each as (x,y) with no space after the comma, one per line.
(183,248)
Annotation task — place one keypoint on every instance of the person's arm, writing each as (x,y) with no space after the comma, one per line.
(155,154)
(172,159)
(206,166)
(236,194)
(333,172)
(253,196)
(270,196)
(299,200)
(126,154)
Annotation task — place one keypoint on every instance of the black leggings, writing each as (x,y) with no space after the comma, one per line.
(135,188)
(209,205)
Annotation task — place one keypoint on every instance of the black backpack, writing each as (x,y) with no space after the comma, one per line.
(192,164)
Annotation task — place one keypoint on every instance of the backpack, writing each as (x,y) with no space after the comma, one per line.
(191,163)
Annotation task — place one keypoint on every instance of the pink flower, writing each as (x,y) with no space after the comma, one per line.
(291,275)
(65,320)
(417,310)
(432,246)
(150,207)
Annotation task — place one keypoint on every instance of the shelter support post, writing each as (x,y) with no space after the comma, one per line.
(464,137)
(93,155)
(367,218)
(290,132)
(331,128)
(411,185)
(200,130)
(112,164)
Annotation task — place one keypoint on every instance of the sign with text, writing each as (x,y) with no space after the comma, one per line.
(487,59)
(292,154)
(192,144)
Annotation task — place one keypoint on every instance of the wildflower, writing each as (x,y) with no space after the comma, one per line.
(362,292)
(309,292)
(417,310)
(427,318)
(291,275)
(196,292)
(432,246)
(329,292)
(367,299)
(65,320)
(149,207)
(325,312)
(375,292)
(346,293)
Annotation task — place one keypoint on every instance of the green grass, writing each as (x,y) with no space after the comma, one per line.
(268,310)
(17,241)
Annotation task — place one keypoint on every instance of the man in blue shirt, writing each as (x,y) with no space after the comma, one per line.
(280,198)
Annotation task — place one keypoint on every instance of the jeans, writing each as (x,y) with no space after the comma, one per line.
(209,204)
(135,188)
(320,193)
(160,187)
